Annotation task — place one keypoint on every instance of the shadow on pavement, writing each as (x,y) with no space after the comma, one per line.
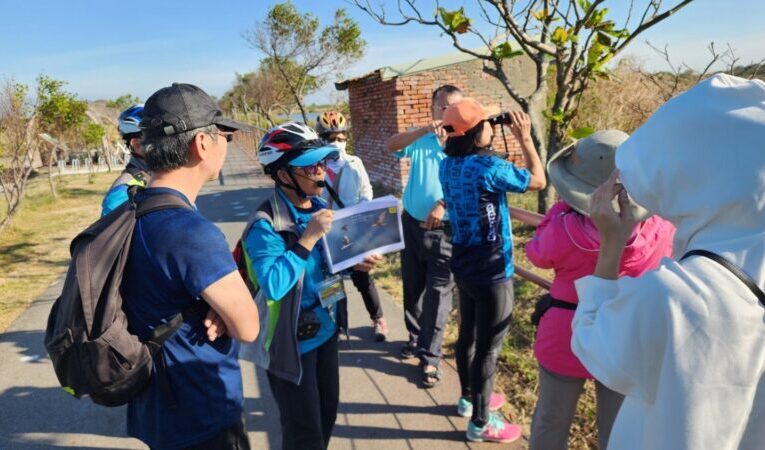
(47,413)
(47,418)
(231,205)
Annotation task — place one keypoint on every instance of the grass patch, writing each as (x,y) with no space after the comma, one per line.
(34,249)
(517,367)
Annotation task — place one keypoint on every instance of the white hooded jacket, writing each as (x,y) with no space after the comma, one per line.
(686,343)
(351,180)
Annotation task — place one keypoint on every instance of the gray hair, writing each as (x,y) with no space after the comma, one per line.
(165,153)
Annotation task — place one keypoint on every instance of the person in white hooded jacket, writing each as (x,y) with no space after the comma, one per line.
(685,343)
(348,177)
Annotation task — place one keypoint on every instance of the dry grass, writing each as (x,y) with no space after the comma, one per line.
(34,250)
(517,374)
(626,100)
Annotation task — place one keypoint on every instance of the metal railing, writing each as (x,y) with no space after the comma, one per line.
(533,219)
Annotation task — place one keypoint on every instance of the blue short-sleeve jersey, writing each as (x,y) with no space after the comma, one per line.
(475,188)
(175,254)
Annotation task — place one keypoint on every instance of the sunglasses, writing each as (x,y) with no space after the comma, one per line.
(337,139)
(313,170)
(227,135)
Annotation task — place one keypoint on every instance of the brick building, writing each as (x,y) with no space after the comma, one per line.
(397,98)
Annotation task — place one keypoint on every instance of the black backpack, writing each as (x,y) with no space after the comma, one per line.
(87,336)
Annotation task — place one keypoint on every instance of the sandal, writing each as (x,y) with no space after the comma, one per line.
(408,350)
(431,378)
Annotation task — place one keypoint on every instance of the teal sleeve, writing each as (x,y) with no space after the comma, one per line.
(277,268)
(405,152)
(114,198)
(505,177)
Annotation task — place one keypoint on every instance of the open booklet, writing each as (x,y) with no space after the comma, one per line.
(363,229)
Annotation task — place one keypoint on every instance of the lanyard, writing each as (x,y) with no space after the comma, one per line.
(323,266)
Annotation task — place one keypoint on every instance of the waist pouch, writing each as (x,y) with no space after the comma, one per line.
(546,302)
(308,324)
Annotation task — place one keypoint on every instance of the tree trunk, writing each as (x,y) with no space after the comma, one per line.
(107,152)
(51,157)
(302,110)
(554,140)
(268,117)
(11,211)
(15,194)
(10,203)
(540,135)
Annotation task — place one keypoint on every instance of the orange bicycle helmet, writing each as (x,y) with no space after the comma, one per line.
(331,122)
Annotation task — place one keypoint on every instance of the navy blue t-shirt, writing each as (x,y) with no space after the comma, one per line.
(174,256)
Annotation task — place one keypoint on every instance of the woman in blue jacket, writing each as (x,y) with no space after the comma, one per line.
(296,293)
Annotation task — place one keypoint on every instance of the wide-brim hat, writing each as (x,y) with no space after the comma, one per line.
(578,169)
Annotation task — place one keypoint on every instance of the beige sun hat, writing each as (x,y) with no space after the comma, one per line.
(578,169)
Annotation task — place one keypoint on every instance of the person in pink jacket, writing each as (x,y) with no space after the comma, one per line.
(568,242)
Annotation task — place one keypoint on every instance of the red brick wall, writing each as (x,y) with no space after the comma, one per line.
(381,108)
(373,105)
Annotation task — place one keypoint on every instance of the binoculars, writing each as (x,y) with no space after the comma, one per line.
(502,118)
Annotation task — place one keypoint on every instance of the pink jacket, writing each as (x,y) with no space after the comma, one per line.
(568,243)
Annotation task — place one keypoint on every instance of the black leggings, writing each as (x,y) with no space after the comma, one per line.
(485,312)
(308,411)
(366,287)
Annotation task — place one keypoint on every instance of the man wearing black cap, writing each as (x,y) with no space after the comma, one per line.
(178,257)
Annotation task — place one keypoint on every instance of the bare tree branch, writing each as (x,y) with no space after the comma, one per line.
(653,21)
(521,36)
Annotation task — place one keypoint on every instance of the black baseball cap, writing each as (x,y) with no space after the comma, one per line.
(182,107)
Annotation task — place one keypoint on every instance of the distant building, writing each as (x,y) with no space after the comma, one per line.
(397,98)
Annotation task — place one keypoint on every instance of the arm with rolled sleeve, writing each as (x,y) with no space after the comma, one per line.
(620,332)
(276,267)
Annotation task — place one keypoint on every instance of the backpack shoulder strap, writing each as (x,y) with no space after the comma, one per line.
(335,185)
(735,270)
(159,202)
(162,332)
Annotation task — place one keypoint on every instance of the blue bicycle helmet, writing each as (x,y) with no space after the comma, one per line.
(129,120)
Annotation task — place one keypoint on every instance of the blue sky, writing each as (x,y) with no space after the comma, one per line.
(107,48)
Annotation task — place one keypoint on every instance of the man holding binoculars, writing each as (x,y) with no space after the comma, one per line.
(427,278)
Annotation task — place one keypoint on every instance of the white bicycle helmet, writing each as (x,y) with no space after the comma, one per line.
(292,143)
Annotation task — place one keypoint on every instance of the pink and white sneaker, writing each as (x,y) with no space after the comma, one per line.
(495,430)
(465,406)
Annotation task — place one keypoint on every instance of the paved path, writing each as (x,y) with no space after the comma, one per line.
(381,405)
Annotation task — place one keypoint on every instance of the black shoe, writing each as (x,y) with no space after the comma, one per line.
(409,350)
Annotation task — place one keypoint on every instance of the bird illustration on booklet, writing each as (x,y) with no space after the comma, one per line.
(363,229)
(380,222)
